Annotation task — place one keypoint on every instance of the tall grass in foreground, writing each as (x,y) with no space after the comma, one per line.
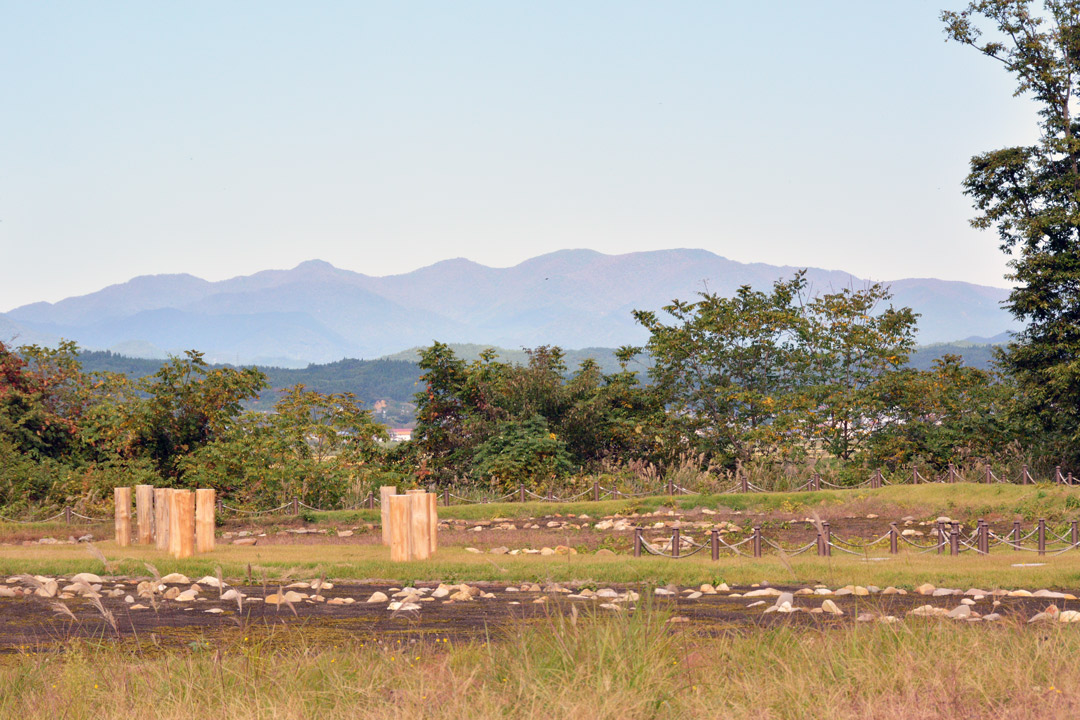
(611,667)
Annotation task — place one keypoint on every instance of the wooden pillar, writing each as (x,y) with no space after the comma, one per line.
(419,526)
(756,542)
(893,536)
(172,501)
(184,542)
(161,518)
(676,542)
(122,512)
(144,512)
(385,493)
(954,540)
(204,520)
(1042,536)
(1016,535)
(714,542)
(398,524)
(637,542)
(433,522)
(596,491)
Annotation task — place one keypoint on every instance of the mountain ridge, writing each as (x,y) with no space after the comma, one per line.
(316,312)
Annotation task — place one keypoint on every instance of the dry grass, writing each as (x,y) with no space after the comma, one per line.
(571,667)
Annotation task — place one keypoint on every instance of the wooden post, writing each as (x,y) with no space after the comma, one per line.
(715,543)
(954,540)
(596,491)
(399,506)
(385,493)
(952,473)
(144,512)
(989,475)
(204,520)
(295,506)
(433,522)
(637,542)
(161,518)
(172,499)
(940,537)
(1042,536)
(1057,475)
(756,542)
(122,513)
(676,542)
(521,493)
(419,526)
(370,501)
(893,536)
(1074,533)
(915,476)
(1025,478)
(745,484)
(67,515)
(185,524)
(817,481)
(1016,535)
(828,539)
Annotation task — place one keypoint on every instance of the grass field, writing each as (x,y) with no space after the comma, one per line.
(632,665)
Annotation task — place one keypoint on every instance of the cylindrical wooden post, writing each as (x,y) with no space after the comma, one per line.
(817,481)
(521,493)
(172,500)
(828,539)
(204,520)
(419,526)
(596,491)
(122,514)
(67,515)
(756,542)
(1057,475)
(1025,478)
(637,542)
(370,500)
(1016,535)
(295,506)
(433,522)
(161,518)
(893,536)
(952,473)
(984,537)
(676,542)
(385,493)
(745,484)
(185,523)
(954,540)
(989,475)
(1042,536)
(914,476)
(144,513)
(446,497)
(940,537)
(399,506)
(714,542)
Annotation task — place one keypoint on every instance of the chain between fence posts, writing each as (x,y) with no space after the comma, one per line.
(1016,535)
(756,543)
(1074,533)
(637,542)
(893,533)
(1042,536)
(676,541)
(714,542)
(954,540)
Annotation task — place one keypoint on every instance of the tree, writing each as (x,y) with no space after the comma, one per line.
(1031,196)
(522,452)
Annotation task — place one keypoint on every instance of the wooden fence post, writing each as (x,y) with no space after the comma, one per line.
(1057,475)
(295,506)
(954,540)
(596,491)
(745,484)
(385,493)
(637,542)
(952,473)
(1025,478)
(940,537)
(122,515)
(828,539)
(204,520)
(172,499)
(144,512)
(756,542)
(1042,536)
(370,500)
(521,493)
(1016,535)
(714,541)
(676,542)
(67,515)
(433,522)
(446,497)
(893,536)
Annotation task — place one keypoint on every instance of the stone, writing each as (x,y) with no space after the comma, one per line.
(830,607)
(85,577)
(231,594)
(176,579)
(171,593)
(472,550)
(547,551)
(186,596)
(866,617)
(1069,616)
(1051,613)
(785,597)
(607,593)
(1020,593)
(762,592)
(758,603)
(377,597)
(501,550)
(245,541)
(967,601)
(604,552)
(960,612)
(663,592)
(925,589)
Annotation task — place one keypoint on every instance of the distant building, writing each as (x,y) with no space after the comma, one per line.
(400,434)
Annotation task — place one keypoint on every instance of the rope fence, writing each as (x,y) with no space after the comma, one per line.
(598,492)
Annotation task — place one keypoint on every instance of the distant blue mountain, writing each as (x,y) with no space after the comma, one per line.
(316,312)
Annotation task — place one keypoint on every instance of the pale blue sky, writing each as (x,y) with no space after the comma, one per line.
(221,138)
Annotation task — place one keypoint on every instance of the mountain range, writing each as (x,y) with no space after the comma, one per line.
(316,312)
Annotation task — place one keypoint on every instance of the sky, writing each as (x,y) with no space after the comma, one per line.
(221,138)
